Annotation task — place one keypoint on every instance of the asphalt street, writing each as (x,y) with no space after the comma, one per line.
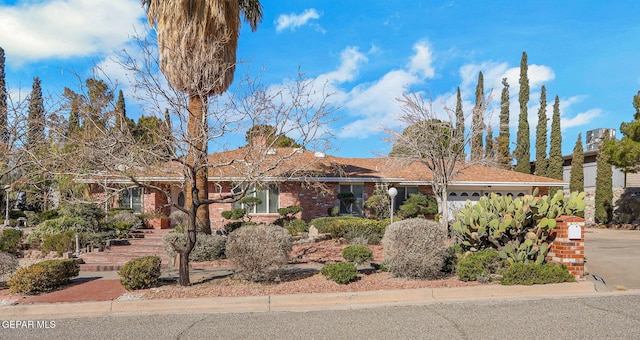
(608,316)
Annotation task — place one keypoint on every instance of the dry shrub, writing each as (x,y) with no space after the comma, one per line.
(8,265)
(259,253)
(415,248)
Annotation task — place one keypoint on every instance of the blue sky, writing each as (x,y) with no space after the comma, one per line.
(370,52)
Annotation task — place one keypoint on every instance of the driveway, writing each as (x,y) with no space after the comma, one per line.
(613,255)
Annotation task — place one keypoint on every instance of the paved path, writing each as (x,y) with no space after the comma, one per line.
(613,255)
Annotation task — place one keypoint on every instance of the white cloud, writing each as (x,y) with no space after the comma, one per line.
(422,61)
(32,31)
(293,21)
(580,119)
(350,59)
(374,106)
(538,75)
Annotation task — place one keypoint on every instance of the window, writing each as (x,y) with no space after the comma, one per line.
(131,198)
(181,199)
(354,208)
(270,196)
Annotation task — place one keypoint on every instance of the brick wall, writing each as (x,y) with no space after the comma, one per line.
(566,250)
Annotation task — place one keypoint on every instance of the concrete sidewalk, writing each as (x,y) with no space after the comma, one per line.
(296,302)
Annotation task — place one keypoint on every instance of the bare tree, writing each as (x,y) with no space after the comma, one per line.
(299,109)
(432,139)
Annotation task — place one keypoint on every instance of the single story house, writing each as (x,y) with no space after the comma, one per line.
(312,180)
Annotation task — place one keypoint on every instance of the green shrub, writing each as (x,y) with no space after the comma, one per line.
(60,243)
(235,214)
(123,221)
(532,273)
(415,248)
(207,248)
(294,227)
(380,266)
(97,239)
(48,215)
(233,226)
(89,217)
(341,272)
(141,273)
(289,211)
(479,264)
(453,254)
(10,240)
(259,253)
(43,276)
(333,211)
(16,214)
(350,227)
(357,254)
(418,205)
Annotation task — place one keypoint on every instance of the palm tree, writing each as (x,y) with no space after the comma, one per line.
(197,43)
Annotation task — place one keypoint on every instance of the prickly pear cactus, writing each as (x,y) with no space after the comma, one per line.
(517,227)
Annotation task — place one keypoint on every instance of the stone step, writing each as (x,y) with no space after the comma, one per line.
(105,267)
(121,251)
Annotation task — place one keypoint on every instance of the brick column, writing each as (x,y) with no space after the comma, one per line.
(567,246)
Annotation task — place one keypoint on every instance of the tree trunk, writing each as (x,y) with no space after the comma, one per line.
(444,217)
(183,269)
(197,135)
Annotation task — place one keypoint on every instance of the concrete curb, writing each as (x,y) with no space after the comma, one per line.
(297,302)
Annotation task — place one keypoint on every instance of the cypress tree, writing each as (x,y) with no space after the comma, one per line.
(36,118)
(477,124)
(504,155)
(522,152)
(121,112)
(4,127)
(460,121)
(489,151)
(541,135)
(554,166)
(75,105)
(576,182)
(604,185)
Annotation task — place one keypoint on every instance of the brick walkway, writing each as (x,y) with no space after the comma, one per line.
(82,289)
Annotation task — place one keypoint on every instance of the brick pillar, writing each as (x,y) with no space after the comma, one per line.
(568,245)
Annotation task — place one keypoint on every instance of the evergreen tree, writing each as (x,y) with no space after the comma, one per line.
(477,124)
(121,111)
(36,117)
(625,153)
(459,119)
(576,182)
(604,185)
(541,135)
(503,140)
(489,151)
(522,152)
(154,133)
(554,166)
(74,104)
(99,99)
(4,127)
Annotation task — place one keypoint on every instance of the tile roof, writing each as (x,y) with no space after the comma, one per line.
(295,164)
(307,163)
